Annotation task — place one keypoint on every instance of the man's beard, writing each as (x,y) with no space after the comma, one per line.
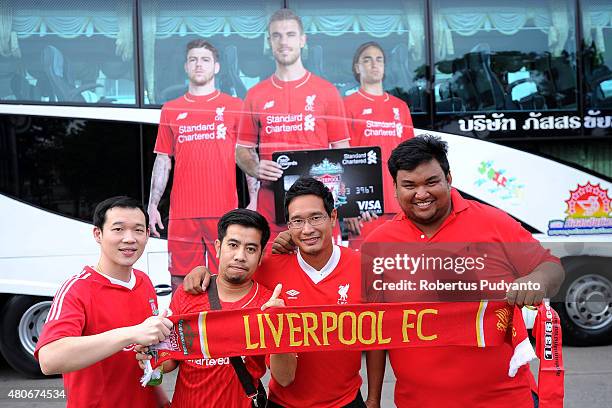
(204,81)
(290,60)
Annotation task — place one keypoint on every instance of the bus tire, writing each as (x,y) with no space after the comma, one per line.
(22,321)
(586,307)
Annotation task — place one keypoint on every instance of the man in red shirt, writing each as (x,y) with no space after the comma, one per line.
(375,118)
(199,131)
(320,273)
(432,211)
(98,315)
(242,237)
(292,110)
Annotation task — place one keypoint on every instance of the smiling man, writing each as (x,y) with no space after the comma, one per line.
(199,131)
(434,212)
(292,110)
(98,315)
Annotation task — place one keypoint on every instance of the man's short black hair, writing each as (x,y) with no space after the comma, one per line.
(309,186)
(411,153)
(99,217)
(245,218)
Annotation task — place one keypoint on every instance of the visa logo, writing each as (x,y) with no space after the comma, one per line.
(369,205)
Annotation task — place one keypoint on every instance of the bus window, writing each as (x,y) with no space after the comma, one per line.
(236,29)
(335,31)
(597,34)
(67,166)
(67,52)
(504,56)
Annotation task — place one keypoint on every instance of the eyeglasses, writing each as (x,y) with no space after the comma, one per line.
(314,220)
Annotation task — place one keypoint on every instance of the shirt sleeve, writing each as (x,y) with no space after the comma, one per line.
(236,115)
(165,139)
(66,317)
(350,122)
(337,129)
(524,251)
(248,128)
(407,121)
(256,365)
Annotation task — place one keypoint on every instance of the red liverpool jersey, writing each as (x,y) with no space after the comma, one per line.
(200,132)
(325,379)
(88,304)
(379,120)
(212,382)
(455,376)
(290,115)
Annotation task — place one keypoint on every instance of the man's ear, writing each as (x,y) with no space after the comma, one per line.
(449,179)
(217,68)
(217,247)
(97,233)
(334,217)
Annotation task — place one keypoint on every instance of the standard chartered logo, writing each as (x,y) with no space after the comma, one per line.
(221,131)
(309,122)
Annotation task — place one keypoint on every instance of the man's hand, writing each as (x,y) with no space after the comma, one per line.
(153,330)
(141,355)
(197,280)
(155,220)
(283,244)
(268,170)
(548,276)
(274,300)
(525,297)
(354,225)
(368,216)
(372,404)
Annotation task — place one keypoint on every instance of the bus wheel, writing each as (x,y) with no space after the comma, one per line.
(586,313)
(22,320)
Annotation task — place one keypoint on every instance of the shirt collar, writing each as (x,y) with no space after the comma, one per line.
(315,275)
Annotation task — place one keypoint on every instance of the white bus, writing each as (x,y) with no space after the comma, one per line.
(521,90)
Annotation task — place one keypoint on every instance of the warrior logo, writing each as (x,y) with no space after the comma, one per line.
(309,122)
(221,131)
(181,115)
(268,105)
(396,115)
(219,113)
(366,111)
(343,293)
(310,103)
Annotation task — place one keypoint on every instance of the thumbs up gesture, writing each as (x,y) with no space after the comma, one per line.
(274,299)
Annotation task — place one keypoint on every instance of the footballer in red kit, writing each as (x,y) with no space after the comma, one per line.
(98,316)
(198,130)
(292,110)
(434,212)
(376,118)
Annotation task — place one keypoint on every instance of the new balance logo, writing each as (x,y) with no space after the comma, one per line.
(181,115)
(366,111)
(292,293)
(268,105)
